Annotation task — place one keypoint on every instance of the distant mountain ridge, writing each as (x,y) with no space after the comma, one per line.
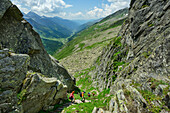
(88,24)
(56,30)
(118,14)
(69,24)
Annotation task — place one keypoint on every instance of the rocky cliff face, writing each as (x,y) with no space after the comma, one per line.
(19,86)
(136,64)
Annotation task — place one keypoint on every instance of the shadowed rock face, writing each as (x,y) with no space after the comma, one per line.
(18,87)
(140,65)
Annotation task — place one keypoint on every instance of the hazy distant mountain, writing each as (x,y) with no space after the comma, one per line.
(81,22)
(118,14)
(88,24)
(71,25)
(45,31)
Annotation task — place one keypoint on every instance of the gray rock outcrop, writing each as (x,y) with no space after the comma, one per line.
(17,35)
(13,69)
(30,79)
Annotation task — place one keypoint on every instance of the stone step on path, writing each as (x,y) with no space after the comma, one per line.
(68,104)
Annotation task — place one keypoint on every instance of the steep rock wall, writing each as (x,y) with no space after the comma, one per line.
(136,64)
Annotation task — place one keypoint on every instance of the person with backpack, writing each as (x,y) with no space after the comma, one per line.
(71,97)
(88,94)
(82,96)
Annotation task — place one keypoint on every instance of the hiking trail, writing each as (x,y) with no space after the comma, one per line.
(68,104)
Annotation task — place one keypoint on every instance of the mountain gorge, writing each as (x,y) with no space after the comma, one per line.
(124,59)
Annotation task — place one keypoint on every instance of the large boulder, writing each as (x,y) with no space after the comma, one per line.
(39,92)
(26,91)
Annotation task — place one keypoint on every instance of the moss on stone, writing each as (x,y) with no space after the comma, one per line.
(144,6)
(21,96)
(146,54)
(150,97)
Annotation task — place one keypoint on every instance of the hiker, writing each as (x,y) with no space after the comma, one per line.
(82,96)
(93,94)
(88,94)
(81,93)
(72,97)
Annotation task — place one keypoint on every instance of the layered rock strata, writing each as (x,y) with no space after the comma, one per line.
(136,65)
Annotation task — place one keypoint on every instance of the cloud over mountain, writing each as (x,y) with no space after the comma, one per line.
(57,8)
(108,9)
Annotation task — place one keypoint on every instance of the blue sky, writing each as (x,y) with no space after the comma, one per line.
(72,9)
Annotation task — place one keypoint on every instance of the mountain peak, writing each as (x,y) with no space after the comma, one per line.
(32,14)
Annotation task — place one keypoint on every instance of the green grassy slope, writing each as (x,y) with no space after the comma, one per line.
(90,33)
(51,45)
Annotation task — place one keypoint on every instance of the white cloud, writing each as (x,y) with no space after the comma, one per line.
(76,14)
(69,15)
(42,7)
(95,13)
(108,9)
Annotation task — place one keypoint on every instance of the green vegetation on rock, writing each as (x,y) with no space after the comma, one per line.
(21,96)
(152,96)
(84,80)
